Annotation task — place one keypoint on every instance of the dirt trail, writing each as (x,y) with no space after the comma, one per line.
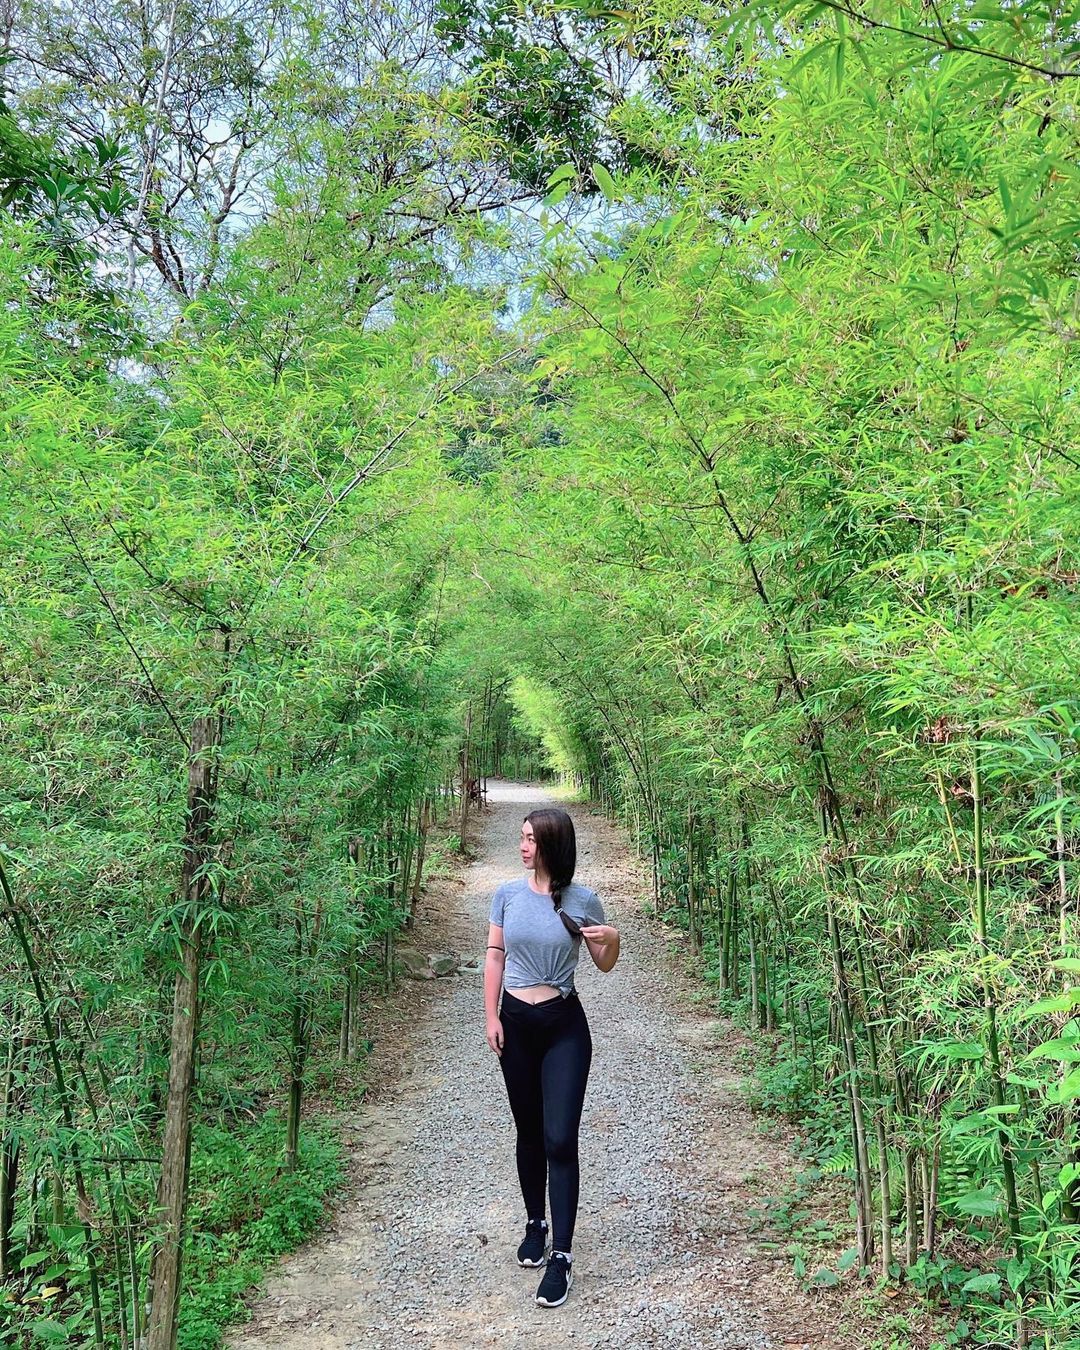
(421,1251)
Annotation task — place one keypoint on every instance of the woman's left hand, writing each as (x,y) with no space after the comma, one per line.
(600,934)
(603,944)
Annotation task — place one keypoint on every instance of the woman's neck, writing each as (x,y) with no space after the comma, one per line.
(541,882)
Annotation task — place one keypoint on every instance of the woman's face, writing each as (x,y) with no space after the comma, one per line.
(528,846)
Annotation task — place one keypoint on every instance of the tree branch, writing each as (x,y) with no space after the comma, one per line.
(946,43)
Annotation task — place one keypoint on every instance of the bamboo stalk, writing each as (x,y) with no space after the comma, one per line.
(465,751)
(949,818)
(812,1045)
(733,941)
(9,1147)
(911,1208)
(863,1184)
(346,1012)
(752,962)
(64,1094)
(300,1039)
(990,1005)
(884,1181)
(176,1146)
(725,942)
(692,917)
(1070,1200)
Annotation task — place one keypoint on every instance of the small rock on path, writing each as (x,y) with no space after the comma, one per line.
(422,1252)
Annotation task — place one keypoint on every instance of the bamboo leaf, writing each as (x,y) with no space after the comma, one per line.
(1055,1003)
(982,1203)
(961,1050)
(988,1283)
(563,173)
(1064,1048)
(1016,1272)
(604,182)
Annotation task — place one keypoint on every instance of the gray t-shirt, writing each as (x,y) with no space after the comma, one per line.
(539,948)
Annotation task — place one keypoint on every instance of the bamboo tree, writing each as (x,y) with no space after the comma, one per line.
(990,1002)
(195,890)
(63,1088)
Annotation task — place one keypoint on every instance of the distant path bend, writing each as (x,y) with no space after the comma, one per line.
(422,1252)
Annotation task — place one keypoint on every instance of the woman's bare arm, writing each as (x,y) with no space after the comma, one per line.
(603,943)
(493,977)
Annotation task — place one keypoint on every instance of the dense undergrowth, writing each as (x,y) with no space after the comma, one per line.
(244,1213)
(932,1304)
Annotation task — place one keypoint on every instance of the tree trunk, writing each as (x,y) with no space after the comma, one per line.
(997,1078)
(863,1185)
(296,1091)
(9,1149)
(346,1012)
(421,851)
(465,779)
(734,981)
(176,1147)
(911,1208)
(300,1046)
(354,1015)
(725,929)
(752,963)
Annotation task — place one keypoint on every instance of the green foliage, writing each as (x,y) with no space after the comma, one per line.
(233,1240)
(542,85)
(734,481)
(537,707)
(808,594)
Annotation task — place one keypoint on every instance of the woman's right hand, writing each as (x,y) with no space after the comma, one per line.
(495,1035)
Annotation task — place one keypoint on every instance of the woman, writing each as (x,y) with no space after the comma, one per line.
(542,1037)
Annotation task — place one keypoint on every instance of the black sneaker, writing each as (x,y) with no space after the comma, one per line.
(556,1283)
(531,1251)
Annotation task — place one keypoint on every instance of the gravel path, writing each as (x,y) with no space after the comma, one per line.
(422,1252)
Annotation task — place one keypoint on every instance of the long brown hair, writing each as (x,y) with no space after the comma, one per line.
(556,847)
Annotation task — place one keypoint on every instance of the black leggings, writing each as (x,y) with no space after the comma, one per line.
(545,1061)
